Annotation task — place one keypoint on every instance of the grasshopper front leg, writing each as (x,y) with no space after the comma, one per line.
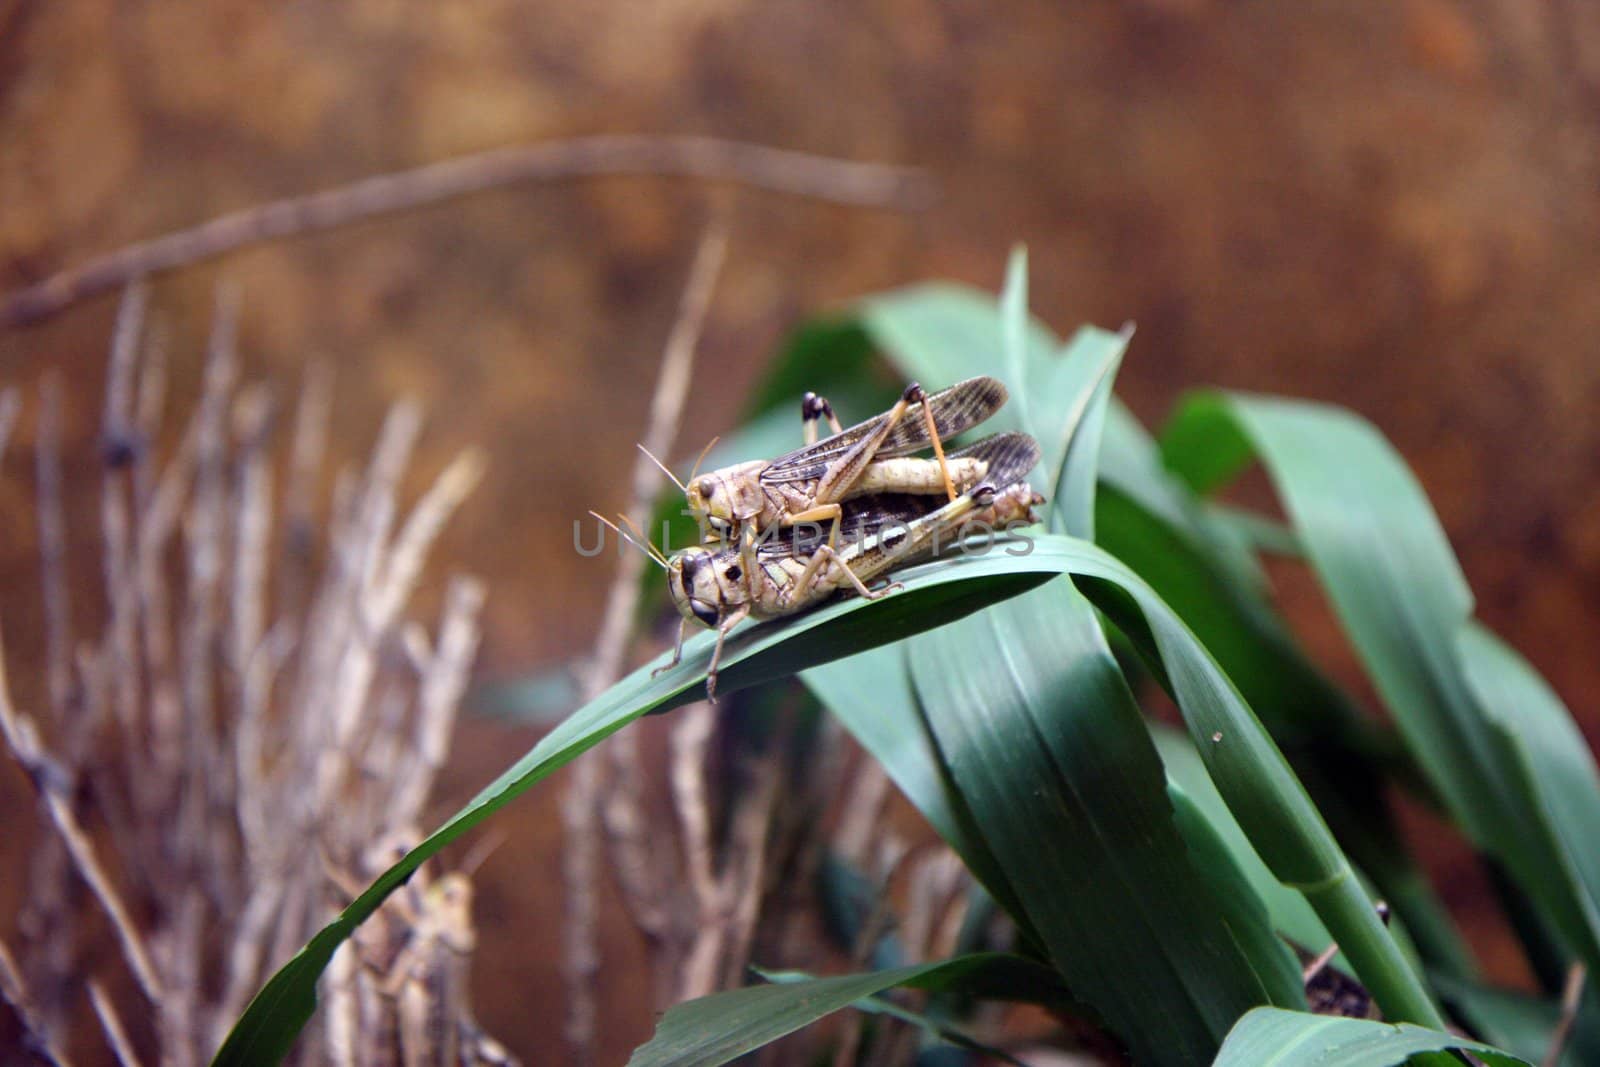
(732,619)
(677,650)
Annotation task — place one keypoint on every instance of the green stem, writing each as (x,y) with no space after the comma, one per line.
(1353,921)
(1436,937)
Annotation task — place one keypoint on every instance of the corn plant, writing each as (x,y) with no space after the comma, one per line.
(1158,881)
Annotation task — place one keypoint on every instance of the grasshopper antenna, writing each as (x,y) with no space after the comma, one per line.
(655,553)
(648,549)
(701,458)
(664,469)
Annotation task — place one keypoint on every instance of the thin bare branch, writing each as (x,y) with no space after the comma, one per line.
(1571,997)
(148,408)
(207,782)
(53,549)
(862,184)
(10,405)
(933,893)
(642,860)
(15,993)
(119,446)
(111,1026)
(393,576)
(581,803)
(862,810)
(306,453)
(252,510)
(443,681)
(404,564)
(23,740)
(49,911)
(743,874)
(691,739)
(580,876)
(117,425)
(666,413)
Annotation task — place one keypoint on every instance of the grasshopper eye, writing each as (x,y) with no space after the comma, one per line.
(706,487)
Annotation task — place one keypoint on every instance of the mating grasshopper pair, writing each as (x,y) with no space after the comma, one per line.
(766,554)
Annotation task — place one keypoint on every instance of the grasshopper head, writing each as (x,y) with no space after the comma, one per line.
(727,497)
(449,905)
(703,584)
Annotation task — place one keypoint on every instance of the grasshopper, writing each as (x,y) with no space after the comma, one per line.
(401,997)
(721,586)
(810,483)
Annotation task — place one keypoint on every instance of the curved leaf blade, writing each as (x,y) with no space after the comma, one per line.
(721,1027)
(871,695)
(1554,767)
(1148,518)
(1045,741)
(1385,564)
(1272,1037)
(1251,774)
(934,593)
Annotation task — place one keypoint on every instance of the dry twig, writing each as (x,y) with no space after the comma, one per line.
(15,993)
(22,738)
(1571,998)
(111,1026)
(201,732)
(9,406)
(582,802)
(864,184)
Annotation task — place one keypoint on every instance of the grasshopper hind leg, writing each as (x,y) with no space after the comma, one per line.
(914,392)
(813,407)
(822,556)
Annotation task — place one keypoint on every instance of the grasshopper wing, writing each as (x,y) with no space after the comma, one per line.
(1008,456)
(958,408)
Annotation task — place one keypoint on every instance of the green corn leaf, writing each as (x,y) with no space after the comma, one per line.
(932,1027)
(1149,519)
(1251,775)
(1043,739)
(934,593)
(942,333)
(1272,1037)
(1516,1022)
(1196,560)
(1493,741)
(871,695)
(724,1026)
(1290,913)
(1076,386)
(1552,765)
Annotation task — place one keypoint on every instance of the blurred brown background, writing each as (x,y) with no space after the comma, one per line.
(1394,207)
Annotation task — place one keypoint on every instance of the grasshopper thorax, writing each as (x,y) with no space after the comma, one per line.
(704,584)
(449,903)
(730,496)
